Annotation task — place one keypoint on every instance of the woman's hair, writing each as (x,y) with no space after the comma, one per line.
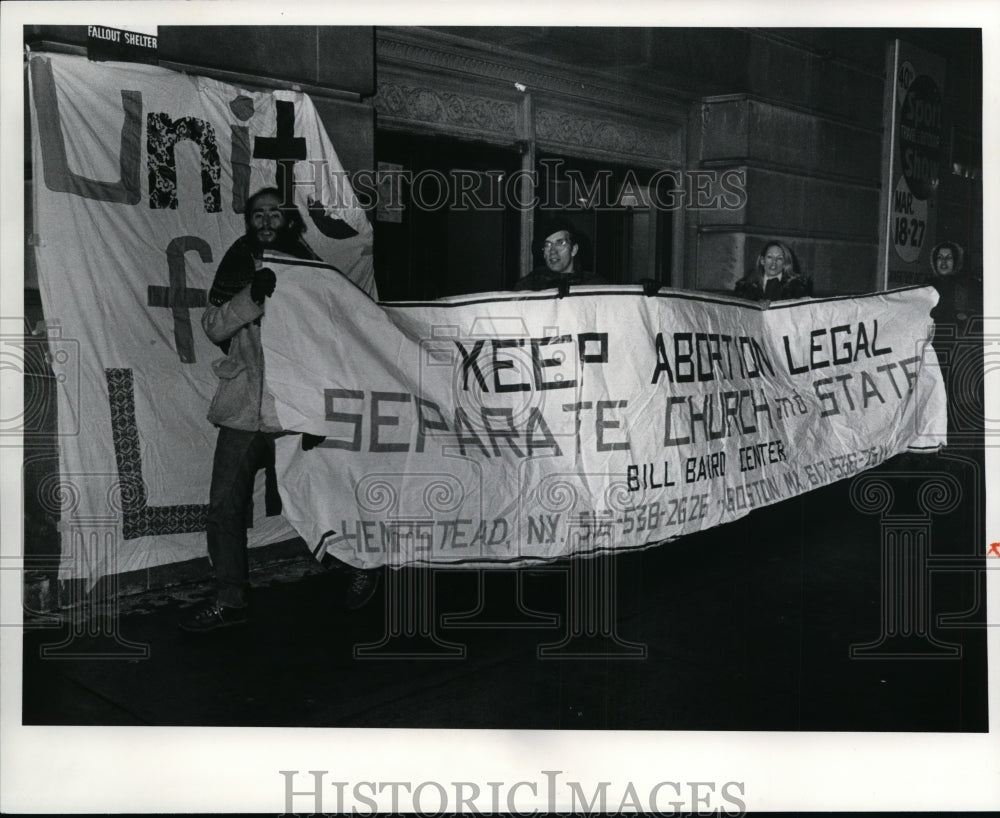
(957,253)
(788,268)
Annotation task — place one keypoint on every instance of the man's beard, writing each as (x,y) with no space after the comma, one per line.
(284,237)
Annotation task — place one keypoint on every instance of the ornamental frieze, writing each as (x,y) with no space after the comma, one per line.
(435,106)
(411,52)
(566,129)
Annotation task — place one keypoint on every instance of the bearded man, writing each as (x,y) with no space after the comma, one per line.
(243,410)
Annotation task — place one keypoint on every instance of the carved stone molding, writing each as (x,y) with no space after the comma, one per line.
(432,51)
(556,128)
(442,83)
(466,112)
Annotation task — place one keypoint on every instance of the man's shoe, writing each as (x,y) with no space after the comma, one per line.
(212,617)
(361,588)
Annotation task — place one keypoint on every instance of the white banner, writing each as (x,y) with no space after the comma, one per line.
(140,175)
(512,428)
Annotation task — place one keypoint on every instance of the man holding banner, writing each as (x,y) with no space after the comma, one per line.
(560,249)
(244,410)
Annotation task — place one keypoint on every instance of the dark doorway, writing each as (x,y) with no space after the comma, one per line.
(453,231)
(623,237)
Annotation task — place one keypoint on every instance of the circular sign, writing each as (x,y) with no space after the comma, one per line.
(920,128)
(909,222)
(904,78)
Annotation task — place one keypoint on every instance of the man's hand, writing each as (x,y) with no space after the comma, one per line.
(650,287)
(263,284)
(311,441)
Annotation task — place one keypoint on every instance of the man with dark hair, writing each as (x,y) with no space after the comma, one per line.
(559,248)
(243,409)
(269,226)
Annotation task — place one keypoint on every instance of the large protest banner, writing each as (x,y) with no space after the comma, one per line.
(513,428)
(473,430)
(140,179)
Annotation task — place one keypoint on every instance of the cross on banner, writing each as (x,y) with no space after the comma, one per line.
(178,296)
(284,148)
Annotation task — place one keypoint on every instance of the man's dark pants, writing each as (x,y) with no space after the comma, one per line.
(239,455)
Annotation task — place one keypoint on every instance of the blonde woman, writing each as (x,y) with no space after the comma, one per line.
(774,276)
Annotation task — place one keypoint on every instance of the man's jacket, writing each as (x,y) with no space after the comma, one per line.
(542,278)
(232,322)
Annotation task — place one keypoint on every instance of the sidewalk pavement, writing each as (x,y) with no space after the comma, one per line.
(749,626)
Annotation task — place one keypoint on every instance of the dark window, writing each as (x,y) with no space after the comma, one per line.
(455,233)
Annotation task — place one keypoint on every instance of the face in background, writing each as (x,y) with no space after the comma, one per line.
(267,220)
(774,261)
(944,261)
(559,250)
